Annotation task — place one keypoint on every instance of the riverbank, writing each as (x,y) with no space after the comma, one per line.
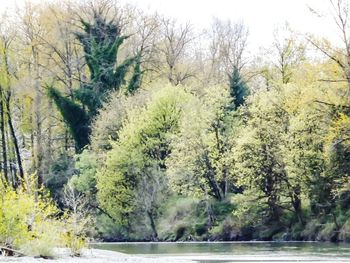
(105,256)
(94,256)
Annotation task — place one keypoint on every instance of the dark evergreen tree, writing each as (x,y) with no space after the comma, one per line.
(238,89)
(77,119)
(101,39)
(135,81)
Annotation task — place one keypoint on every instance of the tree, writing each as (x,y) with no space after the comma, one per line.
(281,60)
(227,50)
(172,50)
(238,89)
(199,164)
(145,32)
(101,39)
(303,150)
(258,161)
(132,182)
(106,127)
(337,157)
(8,74)
(340,56)
(289,52)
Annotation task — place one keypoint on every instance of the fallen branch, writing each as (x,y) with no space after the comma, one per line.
(6,251)
(333,80)
(332,105)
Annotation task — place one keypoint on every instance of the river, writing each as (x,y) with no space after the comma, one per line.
(219,252)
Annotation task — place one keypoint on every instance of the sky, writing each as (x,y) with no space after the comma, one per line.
(261,16)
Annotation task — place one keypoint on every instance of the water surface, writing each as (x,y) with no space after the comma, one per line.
(218,252)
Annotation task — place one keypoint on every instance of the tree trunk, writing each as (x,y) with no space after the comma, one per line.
(153,226)
(296,202)
(15,143)
(38,119)
(3,138)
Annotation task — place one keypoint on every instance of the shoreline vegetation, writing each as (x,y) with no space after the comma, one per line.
(117,124)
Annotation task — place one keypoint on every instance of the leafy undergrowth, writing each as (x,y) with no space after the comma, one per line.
(32,224)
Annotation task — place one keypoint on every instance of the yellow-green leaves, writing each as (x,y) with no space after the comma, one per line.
(28,220)
(132,180)
(199,162)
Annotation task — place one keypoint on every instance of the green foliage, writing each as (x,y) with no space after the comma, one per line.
(132,180)
(199,163)
(28,220)
(344,234)
(135,81)
(110,120)
(74,243)
(257,155)
(101,39)
(184,219)
(238,89)
(265,156)
(47,238)
(74,115)
(85,180)
(61,170)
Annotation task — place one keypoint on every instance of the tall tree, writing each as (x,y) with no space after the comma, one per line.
(199,163)
(11,167)
(132,182)
(101,39)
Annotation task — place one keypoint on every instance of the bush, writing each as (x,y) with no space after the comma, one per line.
(327,232)
(27,220)
(76,219)
(108,230)
(225,230)
(311,229)
(183,219)
(48,237)
(296,231)
(74,243)
(344,234)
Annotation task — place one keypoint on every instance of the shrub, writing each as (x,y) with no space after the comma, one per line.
(183,219)
(344,234)
(311,229)
(76,219)
(74,243)
(48,237)
(28,220)
(327,232)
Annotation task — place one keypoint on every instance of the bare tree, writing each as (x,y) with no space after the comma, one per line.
(79,218)
(227,47)
(340,12)
(9,73)
(174,49)
(144,31)
(32,33)
(289,53)
(286,53)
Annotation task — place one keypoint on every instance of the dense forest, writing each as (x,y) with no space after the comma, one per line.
(118,124)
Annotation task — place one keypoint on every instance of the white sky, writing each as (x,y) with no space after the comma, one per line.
(261,16)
